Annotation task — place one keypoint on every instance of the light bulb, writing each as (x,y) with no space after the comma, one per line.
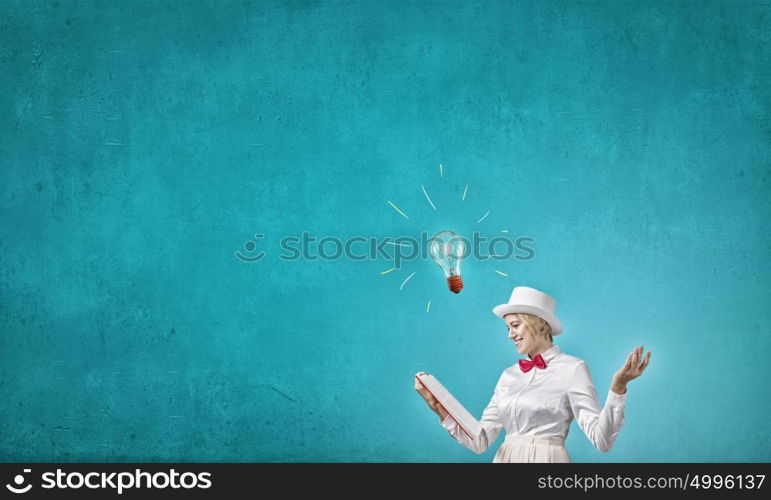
(447,249)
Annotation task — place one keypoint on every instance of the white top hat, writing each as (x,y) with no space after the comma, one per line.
(531,301)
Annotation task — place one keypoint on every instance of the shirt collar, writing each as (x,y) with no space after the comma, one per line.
(550,353)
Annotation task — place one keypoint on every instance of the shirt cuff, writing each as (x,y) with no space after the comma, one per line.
(617,400)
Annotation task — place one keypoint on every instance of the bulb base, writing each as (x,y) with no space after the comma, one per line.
(455,283)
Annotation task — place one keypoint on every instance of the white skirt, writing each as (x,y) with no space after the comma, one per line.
(542,449)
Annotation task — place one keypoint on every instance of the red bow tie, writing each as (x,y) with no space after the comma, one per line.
(526,365)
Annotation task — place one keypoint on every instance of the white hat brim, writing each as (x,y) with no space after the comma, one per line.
(504,309)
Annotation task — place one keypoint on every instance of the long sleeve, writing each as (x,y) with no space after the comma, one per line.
(491,427)
(600,426)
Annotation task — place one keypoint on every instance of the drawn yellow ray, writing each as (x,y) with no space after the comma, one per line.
(429,199)
(397,209)
(405,281)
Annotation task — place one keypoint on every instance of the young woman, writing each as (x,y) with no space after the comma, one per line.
(536,399)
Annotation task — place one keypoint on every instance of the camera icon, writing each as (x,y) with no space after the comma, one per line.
(19,481)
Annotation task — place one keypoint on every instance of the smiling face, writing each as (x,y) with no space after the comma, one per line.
(521,330)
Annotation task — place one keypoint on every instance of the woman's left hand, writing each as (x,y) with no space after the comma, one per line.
(634,367)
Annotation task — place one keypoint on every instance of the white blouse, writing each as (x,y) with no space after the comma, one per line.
(544,403)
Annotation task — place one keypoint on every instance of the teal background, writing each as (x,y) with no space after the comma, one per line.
(144,143)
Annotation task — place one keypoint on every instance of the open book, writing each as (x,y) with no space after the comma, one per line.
(465,420)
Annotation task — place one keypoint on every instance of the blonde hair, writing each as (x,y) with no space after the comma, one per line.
(537,325)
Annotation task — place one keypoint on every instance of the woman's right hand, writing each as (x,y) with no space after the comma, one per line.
(431,401)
